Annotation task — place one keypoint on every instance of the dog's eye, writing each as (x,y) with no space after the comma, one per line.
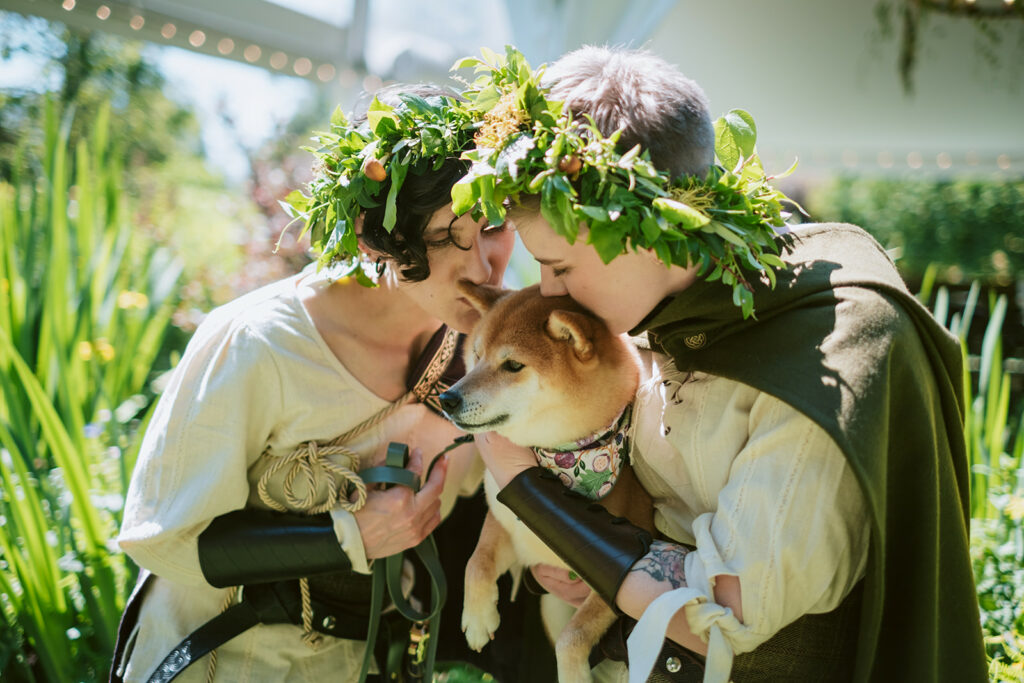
(512,365)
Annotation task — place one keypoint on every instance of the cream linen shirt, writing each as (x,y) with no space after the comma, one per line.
(256,381)
(763,493)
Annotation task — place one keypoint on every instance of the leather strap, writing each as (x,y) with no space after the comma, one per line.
(388,573)
(211,635)
(129,619)
(600,547)
(260,546)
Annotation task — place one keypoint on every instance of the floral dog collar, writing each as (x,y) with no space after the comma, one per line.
(590,466)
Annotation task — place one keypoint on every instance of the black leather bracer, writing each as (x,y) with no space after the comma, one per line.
(600,547)
(259,546)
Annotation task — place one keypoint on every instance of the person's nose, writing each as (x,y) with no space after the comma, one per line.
(549,284)
(478,266)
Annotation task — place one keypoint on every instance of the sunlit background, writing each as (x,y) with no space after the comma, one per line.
(145,145)
(905,90)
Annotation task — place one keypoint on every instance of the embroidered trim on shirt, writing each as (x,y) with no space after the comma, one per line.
(430,386)
(591,465)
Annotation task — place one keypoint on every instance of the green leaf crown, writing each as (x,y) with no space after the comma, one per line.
(354,162)
(724,223)
(518,142)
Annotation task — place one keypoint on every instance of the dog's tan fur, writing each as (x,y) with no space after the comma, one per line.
(575,378)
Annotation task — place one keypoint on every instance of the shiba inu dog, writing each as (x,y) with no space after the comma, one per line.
(544,372)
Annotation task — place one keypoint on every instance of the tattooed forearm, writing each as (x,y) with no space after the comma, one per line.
(664,562)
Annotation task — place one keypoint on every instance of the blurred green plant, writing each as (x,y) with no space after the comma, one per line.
(995,445)
(971,229)
(85,302)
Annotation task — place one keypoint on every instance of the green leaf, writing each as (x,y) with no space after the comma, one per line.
(381,117)
(515,151)
(398,172)
(464,196)
(338,118)
(606,240)
(415,103)
(295,204)
(650,228)
(726,234)
(680,214)
(591,482)
(465,63)
(557,211)
(597,213)
(735,135)
(491,57)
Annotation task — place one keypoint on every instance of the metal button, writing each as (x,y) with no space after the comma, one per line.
(329,622)
(696,341)
(673,665)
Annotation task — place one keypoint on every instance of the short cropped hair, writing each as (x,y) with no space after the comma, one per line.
(657,107)
(424,191)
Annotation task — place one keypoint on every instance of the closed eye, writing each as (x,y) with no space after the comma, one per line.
(512,365)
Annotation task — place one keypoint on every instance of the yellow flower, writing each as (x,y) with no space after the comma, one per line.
(85,350)
(1015,508)
(104,348)
(500,122)
(694,196)
(129,299)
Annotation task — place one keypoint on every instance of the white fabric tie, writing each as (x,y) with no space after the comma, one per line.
(645,642)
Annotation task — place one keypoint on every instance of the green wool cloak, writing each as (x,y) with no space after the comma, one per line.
(842,340)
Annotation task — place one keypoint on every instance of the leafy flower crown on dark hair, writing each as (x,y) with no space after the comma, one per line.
(519,142)
(529,145)
(353,162)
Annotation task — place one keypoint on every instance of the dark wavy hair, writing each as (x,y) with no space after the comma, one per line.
(423,192)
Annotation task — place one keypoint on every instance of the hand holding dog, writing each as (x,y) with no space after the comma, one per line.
(559,582)
(504,459)
(396,519)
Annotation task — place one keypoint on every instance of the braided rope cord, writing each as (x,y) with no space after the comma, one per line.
(310,461)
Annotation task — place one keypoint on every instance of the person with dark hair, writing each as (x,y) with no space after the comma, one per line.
(248,474)
(800,430)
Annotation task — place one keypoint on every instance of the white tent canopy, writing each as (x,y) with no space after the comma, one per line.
(821,84)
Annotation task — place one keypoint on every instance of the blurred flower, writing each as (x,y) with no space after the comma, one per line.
(69,562)
(92,430)
(108,501)
(1015,508)
(85,350)
(129,299)
(104,348)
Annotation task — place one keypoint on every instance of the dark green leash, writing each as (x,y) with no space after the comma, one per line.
(387,573)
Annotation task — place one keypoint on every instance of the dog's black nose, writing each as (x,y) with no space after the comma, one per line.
(450,401)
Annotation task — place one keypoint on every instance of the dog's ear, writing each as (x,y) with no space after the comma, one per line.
(574,327)
(481,297)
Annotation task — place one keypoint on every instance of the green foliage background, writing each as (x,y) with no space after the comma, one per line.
(112,230)
(972,229)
